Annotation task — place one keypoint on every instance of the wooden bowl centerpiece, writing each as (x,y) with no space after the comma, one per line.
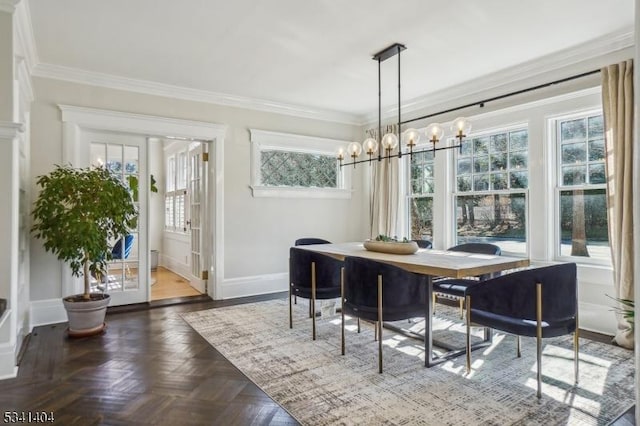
(385,244)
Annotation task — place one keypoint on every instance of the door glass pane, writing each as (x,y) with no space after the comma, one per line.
(98,154)
(122,269)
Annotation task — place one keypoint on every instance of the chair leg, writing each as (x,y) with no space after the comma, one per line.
(358,325)
(468,322)
(290,309)
(461,308)
(539,337)
(433,303)
(380,324)
(576,350)
(313,299)
(518,352)
(375,331)
(342,305)
(295,300)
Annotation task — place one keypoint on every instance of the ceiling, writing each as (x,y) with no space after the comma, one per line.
(314,54)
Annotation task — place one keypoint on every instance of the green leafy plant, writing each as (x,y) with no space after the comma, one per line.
(388,239)
(626,308)
(133,184)
(77,213)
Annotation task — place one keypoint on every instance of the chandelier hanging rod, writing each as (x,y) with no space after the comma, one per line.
(506,95)
(411,137)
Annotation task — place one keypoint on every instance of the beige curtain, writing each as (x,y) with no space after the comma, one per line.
(617,102)
(385,192)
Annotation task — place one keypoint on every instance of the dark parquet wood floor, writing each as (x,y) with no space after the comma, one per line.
(149,367)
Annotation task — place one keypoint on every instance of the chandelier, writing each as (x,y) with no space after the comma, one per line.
(410,137)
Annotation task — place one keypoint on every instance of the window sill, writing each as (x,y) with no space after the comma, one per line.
(290,192)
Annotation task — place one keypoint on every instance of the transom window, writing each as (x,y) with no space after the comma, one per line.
(298,169)
(581,191)
(492,178)
(289,165)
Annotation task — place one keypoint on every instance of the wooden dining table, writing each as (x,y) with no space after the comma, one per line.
(432,263)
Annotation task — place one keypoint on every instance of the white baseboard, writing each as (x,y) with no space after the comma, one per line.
(598,318)
(49,311)
(8,367)
(254,285)
(174,265)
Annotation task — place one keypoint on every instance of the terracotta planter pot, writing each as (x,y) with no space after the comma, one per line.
(86,317)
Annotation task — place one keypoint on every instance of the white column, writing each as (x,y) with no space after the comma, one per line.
(9,186)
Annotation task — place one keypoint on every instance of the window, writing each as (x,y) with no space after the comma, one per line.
(581,191)
(298,169)
(287,165)
(492,180)
(175,198)
(421,196)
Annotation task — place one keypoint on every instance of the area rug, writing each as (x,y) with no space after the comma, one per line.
(318,386)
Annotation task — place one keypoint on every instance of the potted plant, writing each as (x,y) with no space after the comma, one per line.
(77,214)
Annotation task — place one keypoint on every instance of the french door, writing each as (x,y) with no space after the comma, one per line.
(196,185)
(125,155)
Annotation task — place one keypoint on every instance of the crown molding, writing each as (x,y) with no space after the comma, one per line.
(8,6)
(109,81)
(26,39)
(512,78)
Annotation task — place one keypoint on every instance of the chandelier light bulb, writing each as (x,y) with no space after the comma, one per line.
(461,127)
(435,132)
(340,153)
(411,137)
(354,149)
(389,141)
(370,146)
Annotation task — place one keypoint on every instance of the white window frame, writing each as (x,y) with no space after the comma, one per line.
(410,195)
(558,187)
(263,140)
(173,151)
(507,128)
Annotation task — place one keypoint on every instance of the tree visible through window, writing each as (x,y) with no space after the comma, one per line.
(581,187)
(421,196)
(492,177)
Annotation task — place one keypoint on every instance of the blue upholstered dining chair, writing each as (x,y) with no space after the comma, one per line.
(381,292)
(540,302)
(455,288)
(424,244)
(305,242)
(310,240)
(312,276)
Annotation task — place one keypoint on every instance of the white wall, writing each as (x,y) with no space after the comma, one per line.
(257,232)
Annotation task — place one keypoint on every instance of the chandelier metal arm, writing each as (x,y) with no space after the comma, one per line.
(396,155)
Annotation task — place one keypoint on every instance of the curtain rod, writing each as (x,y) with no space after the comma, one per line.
(495,98)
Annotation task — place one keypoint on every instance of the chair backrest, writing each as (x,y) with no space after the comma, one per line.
(327,270)
(310,241)
(403,292)
(514,294)
(425,244)
(116,251)
(480,248)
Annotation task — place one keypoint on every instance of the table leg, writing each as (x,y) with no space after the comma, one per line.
(428,321)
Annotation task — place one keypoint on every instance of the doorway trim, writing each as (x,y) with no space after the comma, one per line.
(76,119)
